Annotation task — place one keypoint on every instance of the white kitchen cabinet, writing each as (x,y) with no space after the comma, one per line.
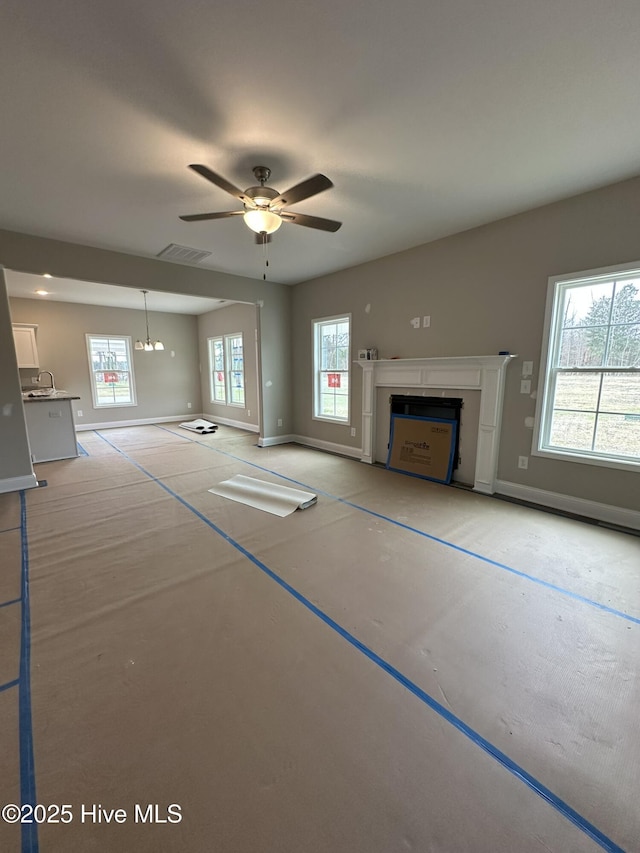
(50,429)
(24,336)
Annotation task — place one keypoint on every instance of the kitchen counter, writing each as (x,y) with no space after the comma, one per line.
(50,427)
(44,398)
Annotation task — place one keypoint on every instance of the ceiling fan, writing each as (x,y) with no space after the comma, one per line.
(264,206)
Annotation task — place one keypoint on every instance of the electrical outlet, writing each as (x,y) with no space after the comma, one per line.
(426,322)
(279,421)
(188,405)
(34,380)
(527,368)
(525,386)
(79,413)
(248,413)
(523,462)
(353,432)
(415,322)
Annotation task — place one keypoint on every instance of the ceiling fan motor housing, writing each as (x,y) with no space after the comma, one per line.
(262,196)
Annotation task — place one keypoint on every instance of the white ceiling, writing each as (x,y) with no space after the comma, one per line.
(430,117)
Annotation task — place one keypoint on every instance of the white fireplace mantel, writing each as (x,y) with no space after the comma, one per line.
(484,373)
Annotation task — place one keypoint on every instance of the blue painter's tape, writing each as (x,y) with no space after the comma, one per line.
(81,450)
(27,760)
(524,575)
(519,772)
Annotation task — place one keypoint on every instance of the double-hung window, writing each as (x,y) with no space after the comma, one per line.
(226,369)
(332,368)
(111,371)
(589,410)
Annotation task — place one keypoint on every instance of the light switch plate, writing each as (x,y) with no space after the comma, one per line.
(527,368)
(525,386)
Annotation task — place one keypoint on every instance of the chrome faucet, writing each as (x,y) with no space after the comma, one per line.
(48,373)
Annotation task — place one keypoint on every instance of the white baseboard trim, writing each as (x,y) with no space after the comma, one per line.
(16,484)
(272,440)
(229,422)
(138,422)
(329,446)
(606,513)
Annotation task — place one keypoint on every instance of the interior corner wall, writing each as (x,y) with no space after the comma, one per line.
(228,321)
(16,470)
(485,291)
(28,253)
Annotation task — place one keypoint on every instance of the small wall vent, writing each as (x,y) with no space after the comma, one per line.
(182,254)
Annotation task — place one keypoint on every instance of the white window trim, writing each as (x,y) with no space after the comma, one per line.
(226,338)
(545,391)
(314,370)
(92,380)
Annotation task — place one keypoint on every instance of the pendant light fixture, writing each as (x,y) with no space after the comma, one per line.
(147,346)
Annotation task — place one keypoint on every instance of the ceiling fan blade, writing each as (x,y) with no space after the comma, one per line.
(198,217)
(221,182)
(312,186)
(311,221)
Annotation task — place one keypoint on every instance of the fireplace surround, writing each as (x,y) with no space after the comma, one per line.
(484,373)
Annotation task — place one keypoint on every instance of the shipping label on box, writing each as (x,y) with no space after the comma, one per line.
(423,447)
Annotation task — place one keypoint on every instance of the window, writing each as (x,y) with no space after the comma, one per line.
(226,367)
(590,408)
(331,368)
(111,371)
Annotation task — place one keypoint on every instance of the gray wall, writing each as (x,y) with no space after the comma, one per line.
(485,291)
(26,253)
(16,470)
(165,384)
(224,321)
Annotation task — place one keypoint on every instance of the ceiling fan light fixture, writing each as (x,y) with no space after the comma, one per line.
(261,220)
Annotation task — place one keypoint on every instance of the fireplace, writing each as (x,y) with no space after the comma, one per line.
(485,374)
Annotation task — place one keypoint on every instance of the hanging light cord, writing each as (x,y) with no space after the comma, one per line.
(146,315)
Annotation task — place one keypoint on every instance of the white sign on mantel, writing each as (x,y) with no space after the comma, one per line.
(484,373)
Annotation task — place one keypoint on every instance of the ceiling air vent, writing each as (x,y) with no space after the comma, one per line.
(182,254)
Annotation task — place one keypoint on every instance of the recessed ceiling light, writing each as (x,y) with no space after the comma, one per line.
(46,275)
(42,292)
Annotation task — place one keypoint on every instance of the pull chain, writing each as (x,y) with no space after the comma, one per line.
(264,236)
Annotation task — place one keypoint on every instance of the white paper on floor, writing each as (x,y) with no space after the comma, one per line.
(270,497)
(200,425)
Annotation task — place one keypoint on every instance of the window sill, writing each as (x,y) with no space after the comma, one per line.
(584,459)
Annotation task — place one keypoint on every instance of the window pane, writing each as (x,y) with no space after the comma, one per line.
(218,355)
(624,346)
(618,434)
(620,393)
(587,305)
(577,391)
(583,347)
(626,304)
(235,368)
(572,430)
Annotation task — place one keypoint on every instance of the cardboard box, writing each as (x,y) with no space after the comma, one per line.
(422,447)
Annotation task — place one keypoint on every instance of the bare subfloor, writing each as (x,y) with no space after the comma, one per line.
(402,667)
